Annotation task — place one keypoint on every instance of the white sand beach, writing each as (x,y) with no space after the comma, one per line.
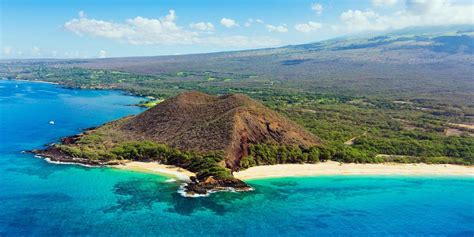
(335,168)
(324,168)
(154,167)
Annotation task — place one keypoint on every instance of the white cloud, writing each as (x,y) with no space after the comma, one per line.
(415,13)
(252,21)
(318,8)
(139,30)
(202,26)
(279,29)
(54,53)
(102,53)
(81,14)
(425,6)
(356,20)
(229,23)
(7,50)
(35,51)
(384,2)
(249,22)
(163,31)
(308,27)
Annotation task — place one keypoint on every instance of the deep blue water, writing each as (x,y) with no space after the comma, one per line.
(42,199)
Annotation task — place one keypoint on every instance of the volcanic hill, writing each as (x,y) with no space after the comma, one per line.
(230,123)
(208,135)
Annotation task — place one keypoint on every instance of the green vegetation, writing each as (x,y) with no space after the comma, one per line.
(203,164)
(364,107)
(264,154)
(150,103)
(380,129)
(414,128)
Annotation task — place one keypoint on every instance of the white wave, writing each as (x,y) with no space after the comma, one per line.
(63,163)
(182,191)
(170,180)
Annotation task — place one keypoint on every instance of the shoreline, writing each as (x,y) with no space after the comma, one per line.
(307,170)
(36,81)
(171,171)
(336,168)
(122,91)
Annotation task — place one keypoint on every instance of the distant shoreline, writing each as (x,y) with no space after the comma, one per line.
(37,81)
(335,168)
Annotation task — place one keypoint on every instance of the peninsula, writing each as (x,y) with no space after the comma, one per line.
(204,140)
(212,136)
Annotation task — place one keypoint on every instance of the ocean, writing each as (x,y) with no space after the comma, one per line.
(42,199)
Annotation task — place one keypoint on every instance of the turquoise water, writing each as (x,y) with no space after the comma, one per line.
(42,199)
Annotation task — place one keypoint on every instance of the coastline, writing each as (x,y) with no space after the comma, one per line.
(319,169)
(122,91)
(336,168)
(157,168)
(37,81)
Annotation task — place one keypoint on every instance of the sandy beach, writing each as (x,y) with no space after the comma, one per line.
(324,168)
(154,167)
(335,168)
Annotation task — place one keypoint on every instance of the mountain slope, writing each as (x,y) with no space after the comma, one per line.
(208,135)
(200,122)
(397,64)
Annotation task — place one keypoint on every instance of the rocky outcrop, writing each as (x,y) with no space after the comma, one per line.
(210,185)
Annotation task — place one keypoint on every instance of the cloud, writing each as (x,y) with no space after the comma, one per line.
(356,20)
(249,22)
(35,51)
(139,30)
(162,31)
(384,2)
(318,8)
(202,26)
(7,50)
(229,23)
(425,6)
(279,29)
(102,53)
(415,13)
(81,14)
(308,27)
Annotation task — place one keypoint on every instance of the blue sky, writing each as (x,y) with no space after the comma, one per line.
(92,28)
